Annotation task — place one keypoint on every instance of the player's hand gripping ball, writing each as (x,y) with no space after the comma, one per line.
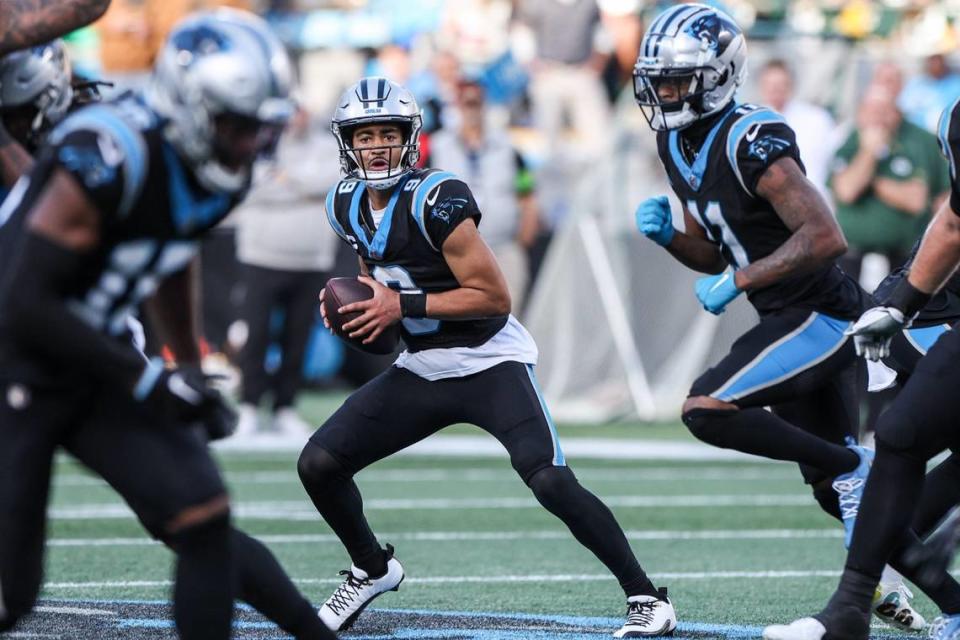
(341,292)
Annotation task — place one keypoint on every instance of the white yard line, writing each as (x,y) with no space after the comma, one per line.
(302,510)
(459,536)
(483,446)
(481,474)
(500,579)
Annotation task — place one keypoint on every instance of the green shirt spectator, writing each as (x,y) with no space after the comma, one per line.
(884,178)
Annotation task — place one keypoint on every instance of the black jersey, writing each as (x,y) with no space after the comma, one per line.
(152,212)
(404,251)
(719,189)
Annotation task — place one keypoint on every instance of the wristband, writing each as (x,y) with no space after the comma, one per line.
(908,299)
(413,305)
(955,201)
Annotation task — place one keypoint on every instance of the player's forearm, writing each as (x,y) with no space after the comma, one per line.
(14,159)
(26,23)
(38,314)
(850,183)
(939,252)
(173,309)
(808,248)
(466,303)
(695,253)
(908,196)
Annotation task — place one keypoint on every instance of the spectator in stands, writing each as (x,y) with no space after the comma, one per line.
(566,73)
(286,249)
(884,179)
(483,156)
(813,125)
(927,95)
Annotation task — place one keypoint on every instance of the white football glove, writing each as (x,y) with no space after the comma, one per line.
(875,329)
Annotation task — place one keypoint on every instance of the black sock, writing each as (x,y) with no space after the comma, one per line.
(941,493)
(764,434)
(265,586)
(592,524)
(335,495)
(203,593)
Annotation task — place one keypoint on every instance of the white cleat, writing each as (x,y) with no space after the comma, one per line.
(358,590)
(248,421)
(802,629)
(891,603)
(648,616)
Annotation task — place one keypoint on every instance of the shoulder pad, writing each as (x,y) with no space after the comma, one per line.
(948,133)
(425,192)
(748,126)
(120,142)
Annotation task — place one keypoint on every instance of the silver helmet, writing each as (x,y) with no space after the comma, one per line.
(699,49)
(220,63)
(35,88)
(377,100)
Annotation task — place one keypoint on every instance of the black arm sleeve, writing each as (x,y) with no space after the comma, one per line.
(39,316)
(453,203)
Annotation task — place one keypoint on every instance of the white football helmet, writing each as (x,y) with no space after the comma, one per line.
(222,63)
(702,51)
(377,100)
(35,91)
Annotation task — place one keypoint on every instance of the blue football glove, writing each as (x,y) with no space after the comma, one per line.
(654,220)
(716,292)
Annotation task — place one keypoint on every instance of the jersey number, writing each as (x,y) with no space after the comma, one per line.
(716,226)
(398,279)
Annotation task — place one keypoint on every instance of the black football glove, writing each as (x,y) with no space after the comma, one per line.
(184,394)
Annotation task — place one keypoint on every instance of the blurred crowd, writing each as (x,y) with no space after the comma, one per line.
(524,99)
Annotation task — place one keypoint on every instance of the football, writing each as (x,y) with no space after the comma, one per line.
(343,291)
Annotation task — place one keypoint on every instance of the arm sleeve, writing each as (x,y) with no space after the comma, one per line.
(452,204)
(756,142)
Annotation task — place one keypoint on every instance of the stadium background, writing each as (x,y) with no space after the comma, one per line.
(739,541)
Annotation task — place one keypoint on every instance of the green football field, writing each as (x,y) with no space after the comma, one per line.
(739,544)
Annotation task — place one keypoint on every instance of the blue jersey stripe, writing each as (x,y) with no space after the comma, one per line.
(814,341)
(331,214)
(922,338)
(559,460)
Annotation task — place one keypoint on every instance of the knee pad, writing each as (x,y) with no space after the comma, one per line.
(707,424)
(317,468)
(552,486)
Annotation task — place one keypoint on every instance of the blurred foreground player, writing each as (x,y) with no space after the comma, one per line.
(467,359)
(111,213)
(921,423)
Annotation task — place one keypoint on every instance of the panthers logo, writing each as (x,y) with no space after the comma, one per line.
(761,148)
(446,208)
(714,29)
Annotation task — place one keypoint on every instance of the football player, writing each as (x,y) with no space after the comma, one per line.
(26,23)
(467,359)
(35,94)
(111,214)
(746,204)
(921,422)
